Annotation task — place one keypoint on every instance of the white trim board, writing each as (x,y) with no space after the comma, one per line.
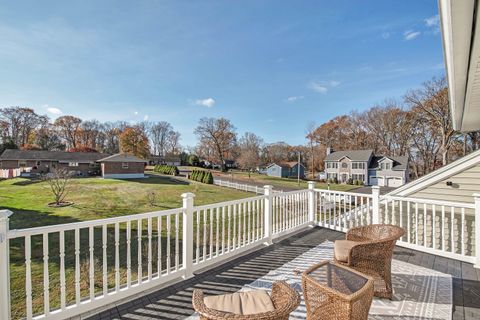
(124,176)
(433,177)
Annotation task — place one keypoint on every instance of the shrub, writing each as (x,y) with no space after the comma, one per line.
(335,180)
(208,178)
(173,170)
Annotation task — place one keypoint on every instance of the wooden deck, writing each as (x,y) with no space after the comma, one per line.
(174,302)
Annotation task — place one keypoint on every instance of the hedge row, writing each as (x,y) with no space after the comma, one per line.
(173,170)
(201,176)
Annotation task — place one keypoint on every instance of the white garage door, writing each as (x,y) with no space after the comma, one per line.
(394,182)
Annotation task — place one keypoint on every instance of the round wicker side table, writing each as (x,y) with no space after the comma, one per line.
(334,291)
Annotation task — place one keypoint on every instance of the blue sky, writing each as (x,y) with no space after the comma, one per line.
(271,67)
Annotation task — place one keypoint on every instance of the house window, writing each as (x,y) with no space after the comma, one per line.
(360,177)
(37,163)
(91,165)
(358,165)
(22,163)
(344,165)
(73,164)
(385,166)
(124,165)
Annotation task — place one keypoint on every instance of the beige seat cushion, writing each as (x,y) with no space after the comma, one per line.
(242,303)
(342,249)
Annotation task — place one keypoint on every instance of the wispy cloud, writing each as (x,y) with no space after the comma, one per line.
(53,110)
(410,35)
(334,83)
(208,102)
(323,86)
(386,35)
(433,23)
(294,98)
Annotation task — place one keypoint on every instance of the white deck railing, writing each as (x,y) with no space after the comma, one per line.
(65,270)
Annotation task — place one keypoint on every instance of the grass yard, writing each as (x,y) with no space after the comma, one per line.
(285,182)
(96,198)
(93,198)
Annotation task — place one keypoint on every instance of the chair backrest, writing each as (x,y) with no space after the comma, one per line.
(385,232)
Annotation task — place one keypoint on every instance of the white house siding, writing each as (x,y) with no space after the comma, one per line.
(465,184)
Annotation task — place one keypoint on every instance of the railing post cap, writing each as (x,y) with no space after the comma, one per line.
(375,188)
(311,184)
(5,214)
(268,186)
(188,195)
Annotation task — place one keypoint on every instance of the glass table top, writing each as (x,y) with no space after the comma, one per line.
(338,278)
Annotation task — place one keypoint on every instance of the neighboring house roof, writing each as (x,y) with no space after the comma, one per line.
(61,156)
(354,155)
(438,175)
(288,165)
(399,163)
(122,157)
(291,164)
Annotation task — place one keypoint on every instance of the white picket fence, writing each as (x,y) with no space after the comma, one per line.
(10,173)
(74,268)
(240,186)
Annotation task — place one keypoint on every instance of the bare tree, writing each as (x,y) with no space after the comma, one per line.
(69,129)
(159,136)
(432,100)
(58,180)
(250,146)
(19,123)
(218,135)
(173,142)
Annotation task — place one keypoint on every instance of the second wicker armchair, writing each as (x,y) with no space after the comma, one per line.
(369,249)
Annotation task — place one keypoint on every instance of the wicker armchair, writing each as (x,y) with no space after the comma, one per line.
(369,250)
(284,298)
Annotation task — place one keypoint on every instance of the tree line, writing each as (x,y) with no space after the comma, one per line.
(418,126)
(23,128)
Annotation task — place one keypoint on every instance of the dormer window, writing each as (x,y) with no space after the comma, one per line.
(386,166)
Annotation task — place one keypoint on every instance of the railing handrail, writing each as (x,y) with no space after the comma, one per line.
(347,193)
(227,203)
(465,205)
(17,233)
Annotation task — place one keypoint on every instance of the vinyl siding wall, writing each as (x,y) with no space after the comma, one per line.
(465,184)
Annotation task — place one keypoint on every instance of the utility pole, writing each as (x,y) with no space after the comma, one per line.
(298,169)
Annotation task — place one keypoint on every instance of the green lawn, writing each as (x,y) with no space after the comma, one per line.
(96,198)
(93,198)
(285,182)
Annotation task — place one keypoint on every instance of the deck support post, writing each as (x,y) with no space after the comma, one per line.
(375,204)
(477,230)
(268,214)
(4,265)
(187,241)
(311,202)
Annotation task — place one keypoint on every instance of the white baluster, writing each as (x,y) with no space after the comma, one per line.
(117,257)
(28,277)
(46,277)
(92,263)
(159,246)
(149,250)
(63,293)
(77,267)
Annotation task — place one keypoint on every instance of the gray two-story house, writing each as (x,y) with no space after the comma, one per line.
(365,166)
